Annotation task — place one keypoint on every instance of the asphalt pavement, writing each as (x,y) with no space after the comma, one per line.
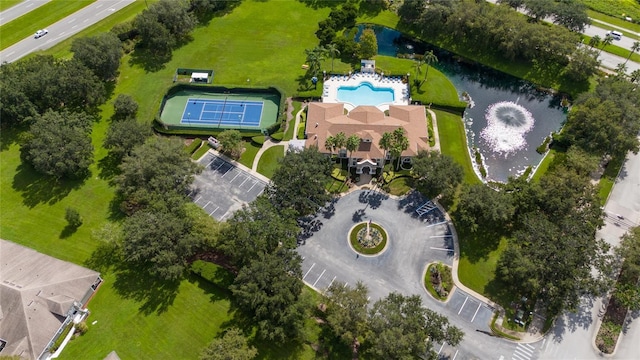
(64,28)
(20,9)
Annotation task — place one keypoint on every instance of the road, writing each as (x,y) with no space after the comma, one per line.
(20,9)
(573,334)
(64,28)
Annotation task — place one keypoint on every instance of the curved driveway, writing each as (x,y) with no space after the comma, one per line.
(64,28)
(414,241)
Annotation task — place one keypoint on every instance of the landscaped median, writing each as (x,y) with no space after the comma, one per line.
(438,281)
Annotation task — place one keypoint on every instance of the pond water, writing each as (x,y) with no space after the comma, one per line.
(507,119)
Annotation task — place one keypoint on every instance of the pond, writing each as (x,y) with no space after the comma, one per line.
(507,119)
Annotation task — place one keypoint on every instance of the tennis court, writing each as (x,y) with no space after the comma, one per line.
(222,112)
(207,109)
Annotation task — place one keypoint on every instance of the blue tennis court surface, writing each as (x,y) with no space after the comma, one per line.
(227,113)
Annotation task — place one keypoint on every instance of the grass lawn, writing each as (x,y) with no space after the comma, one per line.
(437,89)
(544,165)
(400,186)
(453,142)
(5,4)
(249,153)
(39,18)
(288,135)
(477,266)
(615,50)
(613,21)
(269,160)
(614,8)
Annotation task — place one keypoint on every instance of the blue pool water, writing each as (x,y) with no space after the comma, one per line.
(365,94)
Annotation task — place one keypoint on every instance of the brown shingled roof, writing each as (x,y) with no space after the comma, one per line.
(368,122)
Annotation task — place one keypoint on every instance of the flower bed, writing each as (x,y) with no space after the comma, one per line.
(438,281)
(372,246)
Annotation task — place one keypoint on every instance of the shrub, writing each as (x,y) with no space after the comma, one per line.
(81,328)
(258,139)
(195,145)
(277,136)
(73,217)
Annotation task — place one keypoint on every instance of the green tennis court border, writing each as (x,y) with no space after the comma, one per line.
(177,96)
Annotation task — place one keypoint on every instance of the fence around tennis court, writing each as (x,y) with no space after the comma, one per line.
(170,123)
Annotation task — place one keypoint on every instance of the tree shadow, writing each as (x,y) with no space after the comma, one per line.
(68,231)
(358,215)
(371,8)
(372,198)
(105,257)
(318,4)
(135,282)
(10,135)
(150,61)
(109,166)
(478,245)
(36,188)
(411,202)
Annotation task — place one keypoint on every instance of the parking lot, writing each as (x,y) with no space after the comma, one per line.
(470,309)
(222,187)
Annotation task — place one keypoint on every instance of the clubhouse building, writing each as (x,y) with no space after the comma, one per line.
(369,123)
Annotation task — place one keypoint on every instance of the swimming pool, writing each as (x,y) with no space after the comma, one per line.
(365,94)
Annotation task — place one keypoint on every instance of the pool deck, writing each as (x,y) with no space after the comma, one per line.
(400,89)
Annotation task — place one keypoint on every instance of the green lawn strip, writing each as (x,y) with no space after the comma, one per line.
(200,152)
(63,48)
(437,89)
(610,10)
(249,153)
(288,135)
(5,4)
(400,186)
(544,165)
(615,50)
(269,160)
(612,20)
(604,189)
(39,18)
(453,142)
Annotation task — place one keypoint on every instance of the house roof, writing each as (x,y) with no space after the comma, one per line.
(36,292)
(369,123)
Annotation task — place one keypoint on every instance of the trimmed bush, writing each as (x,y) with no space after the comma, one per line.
(73,217)
(277,136)
(258,139)
(195,145)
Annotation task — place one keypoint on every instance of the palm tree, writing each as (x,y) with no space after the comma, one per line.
(429,59)
(607,41)
(333,51)
(621,70)
(418,66)
(339,141)
(635,76)
(329,144)
(353,142)
(385,143)
(315,57)
(635,47)
(595,41)
(400,144)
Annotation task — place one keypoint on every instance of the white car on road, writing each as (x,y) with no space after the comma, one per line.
(41,33)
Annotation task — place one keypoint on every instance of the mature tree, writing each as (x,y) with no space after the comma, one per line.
(480,206)
(411,11)
(607,120)
(595,41)
(160,240)
(59,144)
(385,143)
(333,51)
(124,107)
(353,143)
(347,310)
(40,83)
(400,328)
(583,64)
(628,288)
(204,7)
(157,170)
(299,182)
(571,14)
(315,57)
(368,45)
(269,288)
(330,144)
(429,59)
(100,53)
(173,16)
(232,346)
(580,161)
(73,217)
(436,173)
(153,35)
(257,229)
(231,141)
(635,47)
(515,4)
(399,144)
(554,262)
(539,9)
(123,136)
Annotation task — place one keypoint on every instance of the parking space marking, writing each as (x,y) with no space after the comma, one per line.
(323,271)
(332,280)
(196,200)
(443,249)
(219,166)
(226,172)
(440,348)
(440,223)
(225,215)
(440,236)
(476,313)
(461,307)
(245,180)
(454,356)
(254,184)
(305,275)
(214,210)
(208,203)
(238,174)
